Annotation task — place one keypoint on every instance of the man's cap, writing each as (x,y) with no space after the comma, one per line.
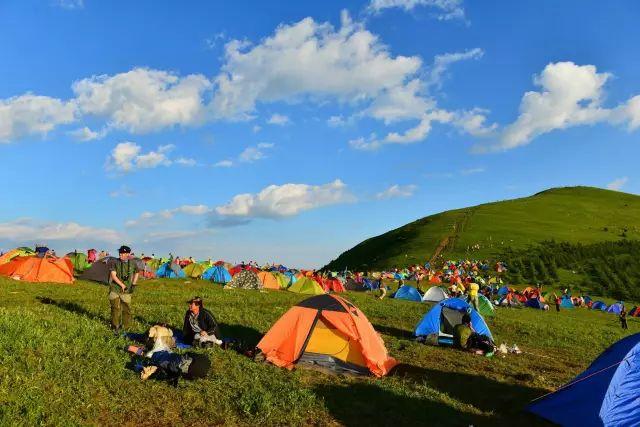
(195,299)
(124,250)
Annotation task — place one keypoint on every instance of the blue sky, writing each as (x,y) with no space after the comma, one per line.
(290,131)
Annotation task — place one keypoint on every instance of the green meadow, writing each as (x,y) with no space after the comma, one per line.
(61,365)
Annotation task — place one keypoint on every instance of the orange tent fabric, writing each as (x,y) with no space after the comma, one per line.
(268,280)
(334,285)
(285,343)
(34,269)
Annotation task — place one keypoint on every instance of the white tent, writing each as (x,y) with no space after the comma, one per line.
(434,294)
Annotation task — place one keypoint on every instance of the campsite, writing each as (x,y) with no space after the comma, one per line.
(319,213)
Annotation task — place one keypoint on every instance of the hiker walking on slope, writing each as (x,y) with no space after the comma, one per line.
(623,318)
(124,276)
(557,301)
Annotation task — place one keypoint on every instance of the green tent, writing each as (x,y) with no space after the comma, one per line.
(283,280)
(306,286)
(195,270)
(154,264)
(485,307)
(79,261)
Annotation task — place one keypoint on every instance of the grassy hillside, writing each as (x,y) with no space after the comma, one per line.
(61,365)
(573,214)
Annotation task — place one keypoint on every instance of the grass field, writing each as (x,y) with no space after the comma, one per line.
(61,365)
(573,214)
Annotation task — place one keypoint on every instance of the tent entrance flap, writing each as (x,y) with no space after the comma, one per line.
(325,340)
(449,319)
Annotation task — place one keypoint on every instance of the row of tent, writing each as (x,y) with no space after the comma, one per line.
(437,294)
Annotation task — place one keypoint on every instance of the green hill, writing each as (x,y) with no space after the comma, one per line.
(577,215)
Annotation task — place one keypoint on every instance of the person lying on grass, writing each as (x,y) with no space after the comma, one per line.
(465,338)
(167,365)
(200,327)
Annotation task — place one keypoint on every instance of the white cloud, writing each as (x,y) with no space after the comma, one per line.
(85,134)
(442,62)
(308,59)
(126,157)
(146,217)
(183,161)
(252,154)
(278,201)
(27,230)
(336,121)
(472,171)
(212,42)
(143,100)
(447,9)
(29,114)
(279,120)
(397,191)
(256,128)
(69,4)
(223,164)
(618,183)
(123,191)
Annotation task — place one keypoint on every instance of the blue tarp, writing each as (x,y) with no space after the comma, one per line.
(430,323)
(605,394)
(503,291)
(409,293)
(170,271)
(217,274)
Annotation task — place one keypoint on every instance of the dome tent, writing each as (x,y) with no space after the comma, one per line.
(306,286)
(408,293)
(245,279)
(444,316)
(435,294)
(39,269)
(170,271)
(329,332)
(217,274)
(604,394)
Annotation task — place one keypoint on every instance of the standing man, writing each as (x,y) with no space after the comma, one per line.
(473,294)
(124,276)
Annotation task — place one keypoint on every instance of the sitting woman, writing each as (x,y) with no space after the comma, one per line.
(200,327)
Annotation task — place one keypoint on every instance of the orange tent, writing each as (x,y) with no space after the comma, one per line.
(35,269)
(268,280)
(330,332)
(334,285)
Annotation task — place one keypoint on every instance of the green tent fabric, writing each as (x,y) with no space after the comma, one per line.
(485,307)
(306,286)
(195,270)
(154,264)
(283,280)
(79,261)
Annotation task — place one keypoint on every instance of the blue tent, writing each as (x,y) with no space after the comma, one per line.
(442,318)
(605,394)
(409,293)
(599,305)
(217,274)
(291,276)
(170,271)
(503,291)
(566,303)
(371,284)
(534,303)
(615,308)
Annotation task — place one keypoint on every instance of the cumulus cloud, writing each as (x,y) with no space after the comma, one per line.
(308,59)
(442,62)
(255,153)
(570,95)
(618,183)
(29,114)
(278,120)
(397,191)
(146,217)
(446,9)
(85,134)
(127,157)
(28,230)
(224,164)
(278,201)
(143,100)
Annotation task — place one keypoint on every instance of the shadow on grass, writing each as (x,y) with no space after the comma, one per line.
(249,336)
(505,400)
(368,404)
(394,332)
(74,308)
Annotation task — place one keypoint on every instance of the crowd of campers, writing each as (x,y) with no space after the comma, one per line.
(325,331)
